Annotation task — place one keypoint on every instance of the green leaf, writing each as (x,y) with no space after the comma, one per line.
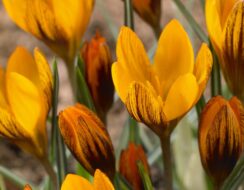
(57,143)
(83,93)
(121,183)
(194,25)
(80,170)
(144,176)
(123,141)
(15,179)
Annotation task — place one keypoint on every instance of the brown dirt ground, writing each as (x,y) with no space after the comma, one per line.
(23,164)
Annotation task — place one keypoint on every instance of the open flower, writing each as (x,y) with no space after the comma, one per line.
(98,62)
(221,137)
(88,139)
(25,100)
(59,24)
(75,182)
(225,24)
(160,94)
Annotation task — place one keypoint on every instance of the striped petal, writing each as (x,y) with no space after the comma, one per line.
(145,106)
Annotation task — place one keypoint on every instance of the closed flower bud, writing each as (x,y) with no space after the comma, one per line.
(149,11)
(225,23)
(128,165)
(98,62)
(221,137)
(27,187)
(87,139)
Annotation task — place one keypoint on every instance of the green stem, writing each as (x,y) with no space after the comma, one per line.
(203,4)
(200,105)
(129,19)
(167,161)
(49,169)
(14,178)
(134,135)
(216,88)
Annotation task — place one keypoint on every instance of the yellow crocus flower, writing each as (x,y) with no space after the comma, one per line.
(160,94)
(225,26)
(25,100)
(59,24)
(75,182)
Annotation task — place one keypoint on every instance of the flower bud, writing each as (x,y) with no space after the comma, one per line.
(128,165)
(87,139)
(233,56)
(149,11)
(27,187)
(98,62)
(221,137)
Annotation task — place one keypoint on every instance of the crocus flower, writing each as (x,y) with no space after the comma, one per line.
(88,139)
(160,94)
(221,137)
(98,61)
(75,182)
(59,24)
(25,93)
(128,165)
(225,25)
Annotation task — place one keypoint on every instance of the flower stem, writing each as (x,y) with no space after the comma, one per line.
(129,19)
(167,161)
(49,169)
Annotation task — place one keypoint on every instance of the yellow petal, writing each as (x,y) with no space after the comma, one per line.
(35,17)
(24,101)
(219,10)
(203,68)
(181,96)
(132,56)
(101,181)
(45,79)
(73,15)
(174,55)
(3,103)
(36,70)
(121,80)
(10,128)
(75,182)
(145,106)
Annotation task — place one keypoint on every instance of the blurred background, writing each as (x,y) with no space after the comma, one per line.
(107,18)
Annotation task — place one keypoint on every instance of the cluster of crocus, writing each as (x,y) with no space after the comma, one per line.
(157,94)
(225,32)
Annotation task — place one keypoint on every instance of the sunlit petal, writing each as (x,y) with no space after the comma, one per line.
(174,55)
(181,96)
